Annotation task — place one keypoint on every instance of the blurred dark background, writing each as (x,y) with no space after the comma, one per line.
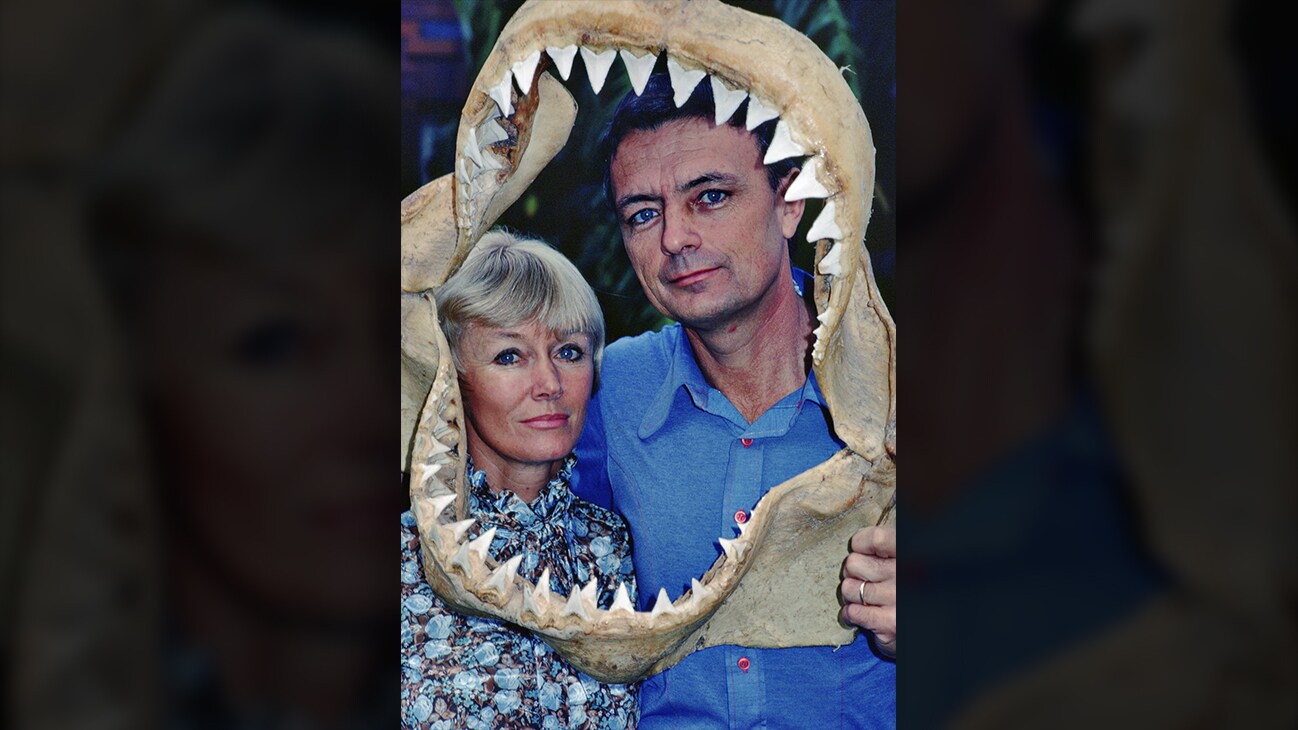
(1084,224)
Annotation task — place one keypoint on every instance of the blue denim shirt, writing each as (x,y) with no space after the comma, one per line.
(679,462)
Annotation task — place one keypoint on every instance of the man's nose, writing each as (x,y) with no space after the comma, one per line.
(546,383)
(679,234)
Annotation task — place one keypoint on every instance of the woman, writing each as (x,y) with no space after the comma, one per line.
(526,334)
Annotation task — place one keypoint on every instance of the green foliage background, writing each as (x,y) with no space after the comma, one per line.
(565,206)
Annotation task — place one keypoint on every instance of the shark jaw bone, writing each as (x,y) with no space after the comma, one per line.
(775,584)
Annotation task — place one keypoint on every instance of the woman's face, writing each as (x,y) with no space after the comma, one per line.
(525,391)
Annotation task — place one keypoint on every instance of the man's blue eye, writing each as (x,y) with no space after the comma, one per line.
(571,353)
(508,357)
(712,197)
(640,217)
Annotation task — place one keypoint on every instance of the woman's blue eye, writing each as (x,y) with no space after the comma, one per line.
(571,353)
(642,216)
(508,357)
(712,197)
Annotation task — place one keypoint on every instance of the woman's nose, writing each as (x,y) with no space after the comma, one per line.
(546,383)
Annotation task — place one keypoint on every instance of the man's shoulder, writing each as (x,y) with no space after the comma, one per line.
(641,355)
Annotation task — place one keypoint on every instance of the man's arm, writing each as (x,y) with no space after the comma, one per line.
(590,476)
(869,587)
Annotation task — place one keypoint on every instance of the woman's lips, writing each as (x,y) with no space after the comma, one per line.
(694,277)
(553,420)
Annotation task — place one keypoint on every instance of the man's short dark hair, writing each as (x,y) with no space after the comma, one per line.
(657,106)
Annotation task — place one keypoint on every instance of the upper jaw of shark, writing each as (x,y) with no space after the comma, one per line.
(516,119)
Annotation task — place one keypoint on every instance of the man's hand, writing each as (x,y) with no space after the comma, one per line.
(872,563)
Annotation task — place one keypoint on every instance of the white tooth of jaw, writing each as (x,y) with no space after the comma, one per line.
(482,543)
(638,68)
(490,133)
(537,600)
(683,81)
(525,69)
(734,549)
(562,58)
(502,94)
(575,606)
(471,149)
(589,591)
(825,226)
(441,503)
(727,100)
(622,600)
(473,553)
(662,605)
(597,66)
(502,578)
(458,529)
(758,113)
(830,263)
(782,145)
(806,184)
(698,593)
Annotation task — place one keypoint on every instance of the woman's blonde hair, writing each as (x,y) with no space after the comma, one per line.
(508,280)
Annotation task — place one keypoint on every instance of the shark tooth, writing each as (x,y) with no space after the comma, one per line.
(597,66)
(429,474)
(806,184)
(437,447)
(562,58)
(491,132)
(698,593)
(464,560)
(482,543)
(683,81)
(590,591)
(734,549)
(471,149)
(538,600)
(458,529)
(726,99)
(502,578)
(758,113)
(622,600)
(825,225)
(830,263)
(576,605)
(525,69)
(502,93)
(638,68)
(441,503)
(782,145)
(662,605)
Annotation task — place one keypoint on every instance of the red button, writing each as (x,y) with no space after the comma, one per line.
(741,517)
(744,663)
(746,442)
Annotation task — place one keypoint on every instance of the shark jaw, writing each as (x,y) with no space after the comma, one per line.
(775,583)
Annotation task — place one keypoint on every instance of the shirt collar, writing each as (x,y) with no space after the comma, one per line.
(550,502)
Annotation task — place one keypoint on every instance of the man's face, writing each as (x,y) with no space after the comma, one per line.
(702,227)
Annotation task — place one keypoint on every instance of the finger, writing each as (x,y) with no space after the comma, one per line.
(879,541)
(880,621)
(875,594)
(865,567)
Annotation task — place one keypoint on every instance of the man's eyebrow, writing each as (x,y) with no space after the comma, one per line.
(626,200)
(707,179)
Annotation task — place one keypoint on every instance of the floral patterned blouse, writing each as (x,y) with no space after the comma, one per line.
(467,672)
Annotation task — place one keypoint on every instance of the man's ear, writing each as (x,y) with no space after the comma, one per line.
(790,213)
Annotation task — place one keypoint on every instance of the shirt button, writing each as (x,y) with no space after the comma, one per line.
(743,663)
(741,517)
(746,442)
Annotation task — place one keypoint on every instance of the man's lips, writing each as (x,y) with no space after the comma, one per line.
(552,420)
(694,277)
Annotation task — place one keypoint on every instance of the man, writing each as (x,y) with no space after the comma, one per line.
(693,424)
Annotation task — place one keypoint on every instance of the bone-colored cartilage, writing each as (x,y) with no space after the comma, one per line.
(562,58)
(793,541)
(597,66)
(638,68)
(683,81)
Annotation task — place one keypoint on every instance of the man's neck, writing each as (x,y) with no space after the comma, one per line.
(760,357)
